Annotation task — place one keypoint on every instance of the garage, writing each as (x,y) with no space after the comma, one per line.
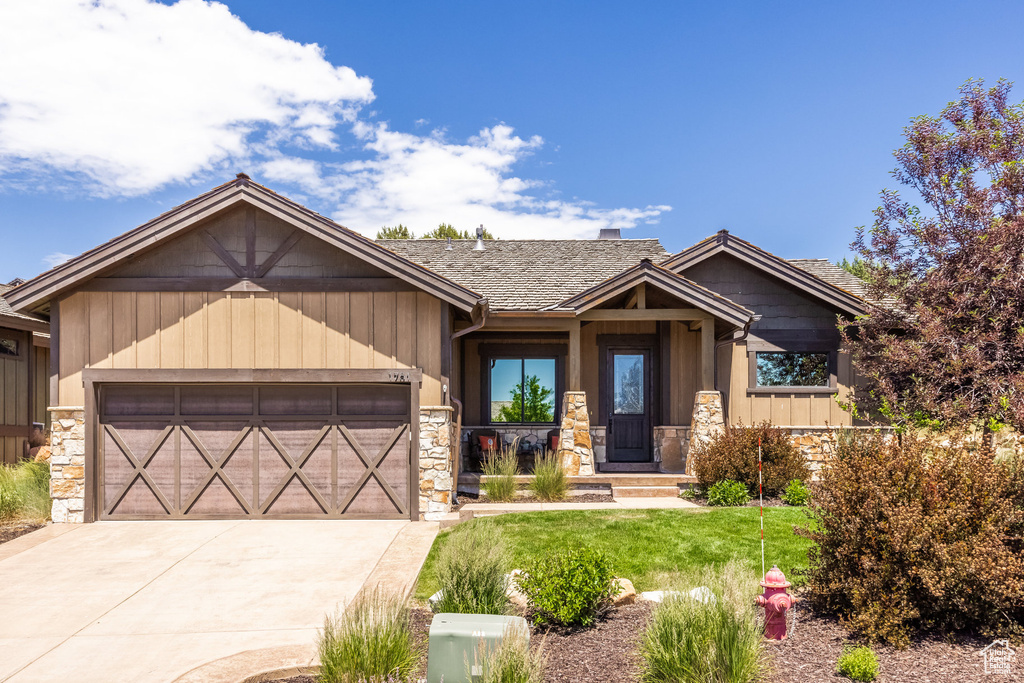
(250,449)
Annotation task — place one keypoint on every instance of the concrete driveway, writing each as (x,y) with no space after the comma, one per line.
(149,601)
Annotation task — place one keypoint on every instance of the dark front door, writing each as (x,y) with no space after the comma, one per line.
(629,405)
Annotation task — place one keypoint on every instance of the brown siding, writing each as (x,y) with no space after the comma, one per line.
(41,386)
(14,394)
(249,330)
(796,410)
(685,373)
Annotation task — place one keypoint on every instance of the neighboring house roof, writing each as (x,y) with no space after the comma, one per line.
(11,318)
(677,285)
(39,290)
(528,275)
(802,274)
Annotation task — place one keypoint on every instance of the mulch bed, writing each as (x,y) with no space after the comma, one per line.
(607,653)
(9,532)
(811,651)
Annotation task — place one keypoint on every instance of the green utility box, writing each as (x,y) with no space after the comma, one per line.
(453,653)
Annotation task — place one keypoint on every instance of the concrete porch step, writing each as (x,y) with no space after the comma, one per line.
(645,491)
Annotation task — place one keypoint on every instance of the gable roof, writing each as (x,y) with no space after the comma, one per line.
(39,290)
(677,285)
(798,273)
(19,321)
(528,275)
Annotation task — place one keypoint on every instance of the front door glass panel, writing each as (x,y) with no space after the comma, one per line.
(628,391)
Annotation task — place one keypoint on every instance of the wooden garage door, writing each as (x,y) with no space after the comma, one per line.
(250,451)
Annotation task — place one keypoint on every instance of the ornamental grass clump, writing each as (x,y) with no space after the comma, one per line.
(732,454)
(549,481)
(572,587)
(913,536)
(500,472)
(858,664)
(370,642)
(512,661)
(471,572)
(717,639)
(25,491)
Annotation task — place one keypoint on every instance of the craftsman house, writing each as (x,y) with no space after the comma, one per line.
(242,356)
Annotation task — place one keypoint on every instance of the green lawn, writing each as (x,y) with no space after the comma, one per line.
(644,545)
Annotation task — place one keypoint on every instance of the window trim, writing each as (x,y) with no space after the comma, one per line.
(520,351)
(19,340)
(790,341)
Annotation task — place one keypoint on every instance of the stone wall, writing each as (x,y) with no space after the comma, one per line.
(708,420)
(67,464)
(436,483)
(670,445)
(575,448)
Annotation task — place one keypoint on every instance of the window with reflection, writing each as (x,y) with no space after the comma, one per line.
(792,369)
(522,390)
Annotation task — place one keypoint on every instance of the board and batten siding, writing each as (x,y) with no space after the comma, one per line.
(249,330)
(783,308)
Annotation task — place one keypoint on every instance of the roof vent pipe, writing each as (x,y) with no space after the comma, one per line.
(479,238)
(448,247)
(610,234)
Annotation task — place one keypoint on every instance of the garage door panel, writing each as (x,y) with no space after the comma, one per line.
(253,450)
(297,499)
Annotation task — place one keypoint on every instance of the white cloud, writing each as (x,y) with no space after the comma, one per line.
(135,94)
(122,97)
(420,181)
(56,258)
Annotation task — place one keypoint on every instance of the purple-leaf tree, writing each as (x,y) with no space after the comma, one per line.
(945,345)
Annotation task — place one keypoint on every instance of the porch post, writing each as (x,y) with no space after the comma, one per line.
(574,356)
(707,354)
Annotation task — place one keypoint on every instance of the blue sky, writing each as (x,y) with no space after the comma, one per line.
(774,120)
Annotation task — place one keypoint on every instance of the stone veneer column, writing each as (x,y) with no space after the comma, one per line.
(67,464)
(575,449)
(708,421)
(436,484)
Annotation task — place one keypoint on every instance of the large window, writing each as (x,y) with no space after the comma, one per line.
(805,369)
(522,390)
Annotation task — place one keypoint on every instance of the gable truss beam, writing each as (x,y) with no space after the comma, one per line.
(223,254)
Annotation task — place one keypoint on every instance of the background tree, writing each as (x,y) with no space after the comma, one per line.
(857,267)
(538,405)
(399,232)
(446,230)
(947,346)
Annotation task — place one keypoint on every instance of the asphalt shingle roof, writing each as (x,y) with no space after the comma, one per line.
(832,274)
(6,310)
(528,275)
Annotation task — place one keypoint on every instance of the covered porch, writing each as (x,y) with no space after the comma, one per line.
(610,379)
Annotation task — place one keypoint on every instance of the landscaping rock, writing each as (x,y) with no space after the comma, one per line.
(42,454)
(517,597)
(625,595)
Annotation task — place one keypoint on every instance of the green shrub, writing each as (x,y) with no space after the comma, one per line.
(732,454)
(690,492)
(511,661)
(728,493)
(471,572)
(25,491)
(572,587)
(549,481)
(370,642)
(915,537)
(500,472)
(858,663)
(689,641)
(796,493)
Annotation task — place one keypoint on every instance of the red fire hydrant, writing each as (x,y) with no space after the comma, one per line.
(776,602)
